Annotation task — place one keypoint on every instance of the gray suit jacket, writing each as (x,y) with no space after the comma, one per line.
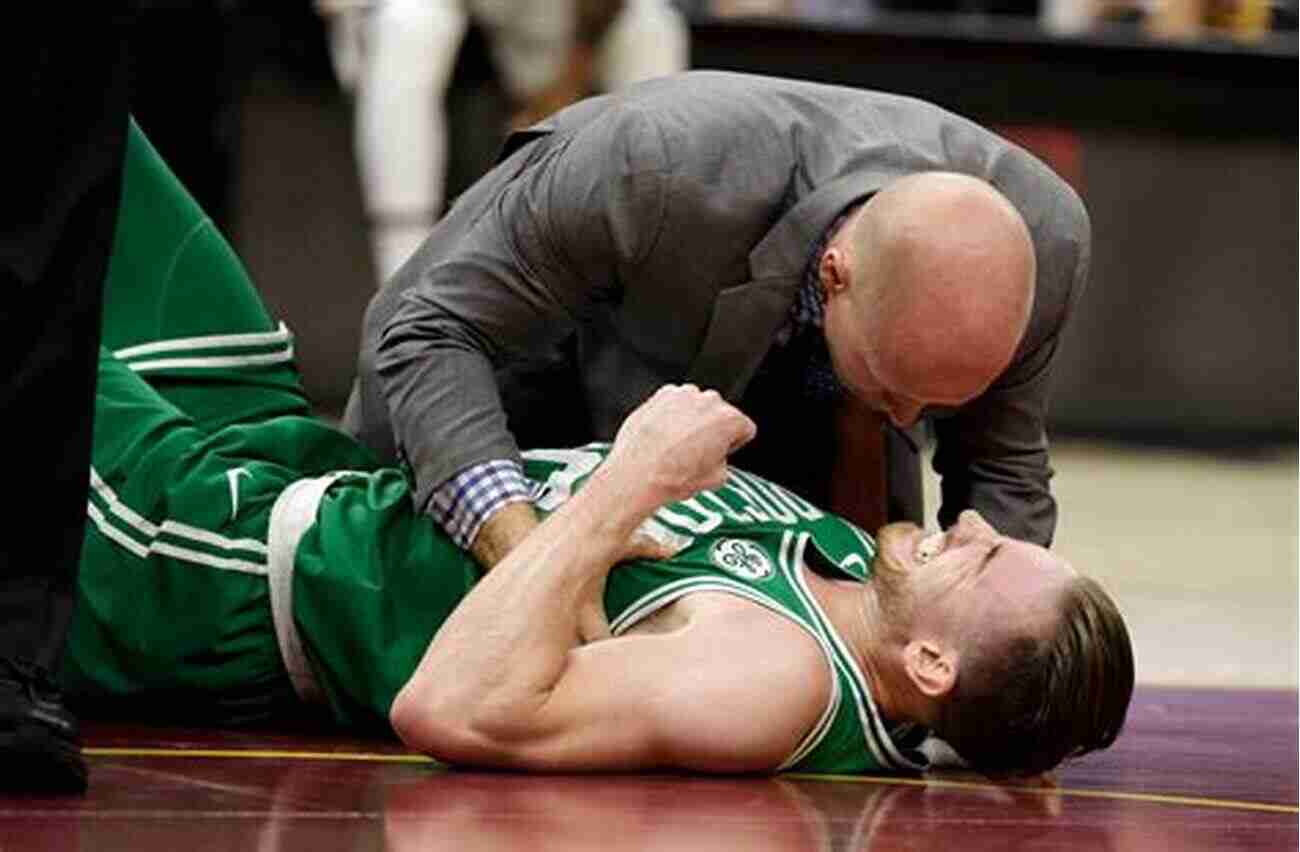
(668,227)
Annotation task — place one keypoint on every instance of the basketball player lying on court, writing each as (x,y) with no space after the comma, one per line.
(243,559)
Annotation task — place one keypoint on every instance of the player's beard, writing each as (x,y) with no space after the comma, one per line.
(892,584)
(893,598)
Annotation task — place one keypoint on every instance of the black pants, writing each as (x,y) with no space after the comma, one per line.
(64,84)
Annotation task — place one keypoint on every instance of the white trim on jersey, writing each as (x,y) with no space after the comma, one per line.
(827,721)
(656,600)
(868,714)
(798,583)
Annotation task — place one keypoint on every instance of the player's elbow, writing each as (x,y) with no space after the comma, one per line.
(420,718)
(434,724)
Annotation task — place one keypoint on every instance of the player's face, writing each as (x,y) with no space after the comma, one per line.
(972,578)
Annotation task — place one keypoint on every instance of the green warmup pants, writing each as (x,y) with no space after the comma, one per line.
(240,556)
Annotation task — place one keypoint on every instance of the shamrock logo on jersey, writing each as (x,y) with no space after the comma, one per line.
(742,558)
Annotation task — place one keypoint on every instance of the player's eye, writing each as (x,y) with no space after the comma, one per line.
(929,547)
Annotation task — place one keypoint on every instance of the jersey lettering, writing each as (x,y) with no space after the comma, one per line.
(747,490)
(740,490)
(738,515)
(576,464)
(707,520)
(744,499)
(780,501)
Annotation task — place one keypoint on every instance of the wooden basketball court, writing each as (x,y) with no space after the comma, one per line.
(1194,769)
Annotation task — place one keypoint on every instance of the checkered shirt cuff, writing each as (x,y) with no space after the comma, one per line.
(463,503)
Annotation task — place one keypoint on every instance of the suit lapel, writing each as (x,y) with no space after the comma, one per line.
(784,250)
(744,322)
(746,317)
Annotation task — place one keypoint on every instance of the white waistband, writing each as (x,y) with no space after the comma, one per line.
(294,511)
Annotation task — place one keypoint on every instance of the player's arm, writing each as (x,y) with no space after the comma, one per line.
(660,701)
(494,676)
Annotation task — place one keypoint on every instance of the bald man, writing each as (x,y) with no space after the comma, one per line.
(803,249)
(928,289)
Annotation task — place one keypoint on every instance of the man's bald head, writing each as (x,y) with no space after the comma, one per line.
(937,274)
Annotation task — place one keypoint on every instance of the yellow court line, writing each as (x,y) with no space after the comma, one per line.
(378,757)
(1121,795)
(261,754)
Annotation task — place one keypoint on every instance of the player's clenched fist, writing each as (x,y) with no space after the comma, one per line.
(676,443)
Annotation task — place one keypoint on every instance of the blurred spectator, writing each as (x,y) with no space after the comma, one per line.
(1183,20)
(969,7)
(398,57)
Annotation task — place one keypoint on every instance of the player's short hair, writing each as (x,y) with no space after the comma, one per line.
(1024,707)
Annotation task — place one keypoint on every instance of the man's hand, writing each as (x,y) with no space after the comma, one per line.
(675,444)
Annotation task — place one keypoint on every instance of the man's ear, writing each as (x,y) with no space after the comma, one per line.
(833,271)
(931,667)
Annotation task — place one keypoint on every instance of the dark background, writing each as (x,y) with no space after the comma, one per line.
(1185,154)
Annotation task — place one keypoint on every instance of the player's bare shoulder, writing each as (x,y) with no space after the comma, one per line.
(753,636)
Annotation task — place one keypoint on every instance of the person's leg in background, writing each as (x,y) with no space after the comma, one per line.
(401,121)
(400,55)
(648,38)
(539,58)
(66,90)
(553,53)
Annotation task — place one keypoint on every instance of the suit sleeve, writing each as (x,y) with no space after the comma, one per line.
(992,455)
(546,250)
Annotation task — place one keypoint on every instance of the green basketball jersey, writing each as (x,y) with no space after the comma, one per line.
(749,538)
